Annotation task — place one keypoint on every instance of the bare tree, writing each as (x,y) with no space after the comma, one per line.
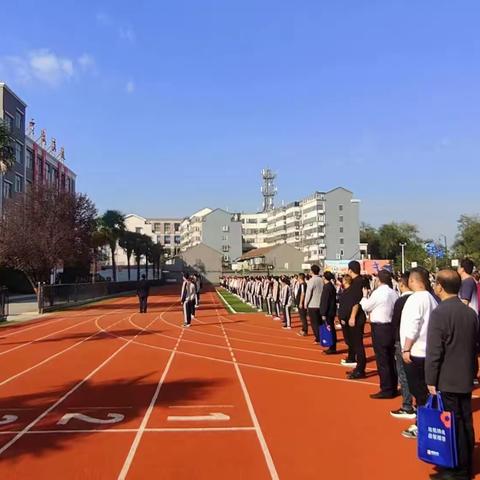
(44,228)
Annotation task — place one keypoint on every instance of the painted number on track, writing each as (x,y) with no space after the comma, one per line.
(6,419)
(112,418)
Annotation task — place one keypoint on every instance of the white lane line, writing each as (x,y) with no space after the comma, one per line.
(55,355)
(97,408)
(18,347)
(201,406)
(42,323)
(258,429)
(226,303)
(133,430)
(136,441)
(66,395)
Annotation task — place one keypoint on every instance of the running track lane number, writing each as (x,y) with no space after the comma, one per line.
(112,418)
(6,419)
(212,417)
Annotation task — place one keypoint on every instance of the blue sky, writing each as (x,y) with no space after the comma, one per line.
(166,107)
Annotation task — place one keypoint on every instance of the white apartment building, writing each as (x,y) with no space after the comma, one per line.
(254,230)
(324,225)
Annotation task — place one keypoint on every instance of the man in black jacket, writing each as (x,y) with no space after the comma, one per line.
(450,366)
(300,302)
(143,291)
(328,308)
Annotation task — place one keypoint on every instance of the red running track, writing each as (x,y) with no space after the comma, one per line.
(107,393)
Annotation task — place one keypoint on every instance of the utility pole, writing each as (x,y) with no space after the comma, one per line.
(403,245)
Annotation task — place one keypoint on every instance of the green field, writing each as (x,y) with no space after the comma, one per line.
(234,302)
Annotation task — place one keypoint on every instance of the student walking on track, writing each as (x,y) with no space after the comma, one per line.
(143,291)
(188,298)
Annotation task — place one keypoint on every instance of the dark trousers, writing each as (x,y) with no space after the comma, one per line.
(197,300)
(302,312)
(460,404)
(416,379)
(331,323)
(315,320)
(355,335)
(384,348)
(346,338)
(188,306)
(402,378)
(143,304)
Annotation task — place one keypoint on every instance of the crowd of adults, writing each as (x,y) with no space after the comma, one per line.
(424,331)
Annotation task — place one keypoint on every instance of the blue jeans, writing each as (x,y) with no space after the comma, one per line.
(402,379)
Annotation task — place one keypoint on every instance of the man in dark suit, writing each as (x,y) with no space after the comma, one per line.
(450,366)
(143,291)
(328,308)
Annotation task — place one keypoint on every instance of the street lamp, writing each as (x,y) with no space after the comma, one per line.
(444,237)
(403,245)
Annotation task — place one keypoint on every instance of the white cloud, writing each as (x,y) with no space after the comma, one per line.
(127,33)
(86,61)
(103,19)
(130,86)
(44,66)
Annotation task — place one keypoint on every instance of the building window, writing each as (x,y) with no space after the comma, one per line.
(29,159)
(340,207)
(225,237)
(341,229)
(225,228)
(342,253)
(8,121)
(166,228)
(177,239)
(18,152)
(138,229)
(18,119)
(7,189)
(342,241)
(167,240)
(177,227)
(157,227)
(226,258)
(225,248)
(18,184)
(341,218)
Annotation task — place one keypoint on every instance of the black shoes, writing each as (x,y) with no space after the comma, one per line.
(450,475)
(330,351)
(382,395)
(356,375)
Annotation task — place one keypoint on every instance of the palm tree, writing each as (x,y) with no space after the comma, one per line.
(127,241)
(112,224)
(142,244)
(99,240)
(156,252)
(7,152)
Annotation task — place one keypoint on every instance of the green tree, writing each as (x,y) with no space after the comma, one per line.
(128,241)
(112,224)
(369,235)
(467,243)
(7,152)
(142,245)
(156,257)
(99,240)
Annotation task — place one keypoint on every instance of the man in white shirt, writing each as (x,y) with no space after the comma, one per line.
(380,307)
(413,337)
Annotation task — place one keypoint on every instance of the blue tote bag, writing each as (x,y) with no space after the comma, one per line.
(326,337)
(436,434)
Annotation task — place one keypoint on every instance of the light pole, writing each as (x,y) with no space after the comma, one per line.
(403,256)
(444,237)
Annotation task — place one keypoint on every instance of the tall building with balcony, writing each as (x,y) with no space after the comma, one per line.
(254,230)
(35,162)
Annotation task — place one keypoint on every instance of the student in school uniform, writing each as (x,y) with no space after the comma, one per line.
(187,299)
(276,299)
(286,302)
(300,301)
(328,308)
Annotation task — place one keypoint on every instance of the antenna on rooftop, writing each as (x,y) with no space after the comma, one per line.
(269,190)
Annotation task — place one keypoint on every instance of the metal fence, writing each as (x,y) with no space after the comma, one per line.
(53,297)
(4,304)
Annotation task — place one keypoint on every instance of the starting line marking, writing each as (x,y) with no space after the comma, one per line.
(211,417)
(201,406)
(131,430)
(8,419)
